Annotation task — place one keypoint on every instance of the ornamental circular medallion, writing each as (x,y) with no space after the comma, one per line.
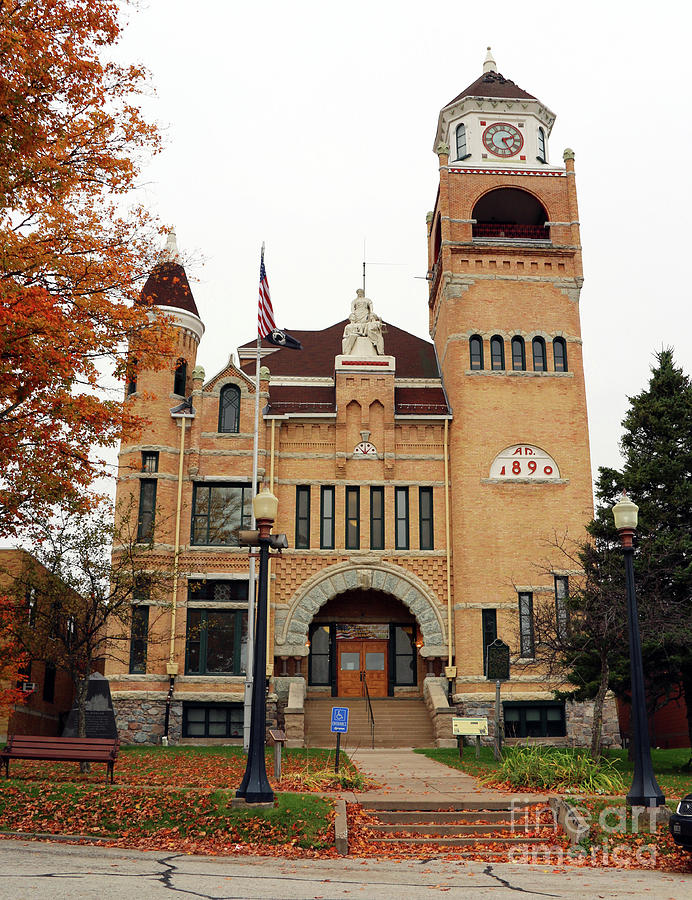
(502,139)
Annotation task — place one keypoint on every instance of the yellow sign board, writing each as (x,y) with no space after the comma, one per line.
(469,727)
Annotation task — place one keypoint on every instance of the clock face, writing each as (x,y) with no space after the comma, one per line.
(502,139)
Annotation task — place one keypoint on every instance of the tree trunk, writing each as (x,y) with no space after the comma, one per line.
(597,726)
(82,690)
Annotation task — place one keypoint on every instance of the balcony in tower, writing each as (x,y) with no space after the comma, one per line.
(510,214)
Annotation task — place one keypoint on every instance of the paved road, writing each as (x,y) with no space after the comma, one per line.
(57,871)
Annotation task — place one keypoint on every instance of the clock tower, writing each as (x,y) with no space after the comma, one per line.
(505,275)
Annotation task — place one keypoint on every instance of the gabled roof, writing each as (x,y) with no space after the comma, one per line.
(492,84)
(415,358)
(168,286)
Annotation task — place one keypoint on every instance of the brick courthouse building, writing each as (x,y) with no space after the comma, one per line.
(419,483)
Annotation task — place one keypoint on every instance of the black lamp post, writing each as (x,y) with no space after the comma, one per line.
(255,787)
(645,790)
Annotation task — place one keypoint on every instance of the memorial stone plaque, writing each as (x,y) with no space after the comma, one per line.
(497,661)
(100,717)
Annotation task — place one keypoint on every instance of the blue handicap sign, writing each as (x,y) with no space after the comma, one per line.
(340,719)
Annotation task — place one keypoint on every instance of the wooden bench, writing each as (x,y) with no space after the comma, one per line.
(25,746)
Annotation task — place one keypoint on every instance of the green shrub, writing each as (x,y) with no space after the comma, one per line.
(552,768)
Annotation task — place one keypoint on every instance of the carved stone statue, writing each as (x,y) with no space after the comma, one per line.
(363,333)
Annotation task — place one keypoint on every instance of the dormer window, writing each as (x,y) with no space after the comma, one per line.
(461,142)
(541,146)
(229,409)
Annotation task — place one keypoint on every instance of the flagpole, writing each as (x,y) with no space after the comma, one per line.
(247,706)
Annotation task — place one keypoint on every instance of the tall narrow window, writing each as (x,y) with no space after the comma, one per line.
(476,351)
(327,518)
(302,517)
(560,354)
(497,353)
(131,385)
(425,514)
(518,354)
(150,461)
(403,648)
(541,145)
(461,141)
(401,517)
(561,595)
(538,346)
(352,518)
(526,624)
(180,380)
(489,632)
(377,518)
(319,667)
(229,409)
(139,631)
(147,510)
(31,606)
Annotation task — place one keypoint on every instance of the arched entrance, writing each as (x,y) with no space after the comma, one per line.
(375,623)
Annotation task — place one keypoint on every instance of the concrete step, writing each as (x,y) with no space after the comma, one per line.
(440,818)
(506,829)
(399,722)
(434,805)
(458,842)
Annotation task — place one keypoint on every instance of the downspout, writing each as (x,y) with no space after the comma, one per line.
(181,412)
(450,638)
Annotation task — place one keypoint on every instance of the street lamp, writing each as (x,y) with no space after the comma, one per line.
(255,787)
(645,790)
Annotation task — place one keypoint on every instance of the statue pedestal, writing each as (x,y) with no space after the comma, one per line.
(364,363)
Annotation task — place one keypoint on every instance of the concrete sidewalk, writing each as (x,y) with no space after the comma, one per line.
(409,776)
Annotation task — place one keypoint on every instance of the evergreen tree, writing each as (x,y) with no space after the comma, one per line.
(657,475)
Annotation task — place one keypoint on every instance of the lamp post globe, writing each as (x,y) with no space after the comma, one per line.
(645,790)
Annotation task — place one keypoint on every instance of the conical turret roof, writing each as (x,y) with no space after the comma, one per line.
(168,285)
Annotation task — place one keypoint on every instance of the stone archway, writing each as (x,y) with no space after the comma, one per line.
(292,632)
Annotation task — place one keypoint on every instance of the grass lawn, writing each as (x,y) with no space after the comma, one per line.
(175,815)
(667,765)
(200,767)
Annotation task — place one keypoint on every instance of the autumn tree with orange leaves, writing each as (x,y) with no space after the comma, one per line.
(73,254)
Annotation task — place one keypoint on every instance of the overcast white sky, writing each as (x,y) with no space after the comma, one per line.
(310,125)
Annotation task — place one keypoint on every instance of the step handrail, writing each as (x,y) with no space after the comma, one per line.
(368,708)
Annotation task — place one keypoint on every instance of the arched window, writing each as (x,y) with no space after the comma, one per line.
(461,141)
(229,409)
(541,145)
(510,213)
(497,353)
(476,351)
(180,380)
(518,354)
(560,354)
(539,361)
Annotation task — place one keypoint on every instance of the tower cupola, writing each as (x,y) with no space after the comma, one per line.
(494,122)
(168,289)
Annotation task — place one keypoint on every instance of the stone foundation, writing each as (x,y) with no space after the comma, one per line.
(141,721)
(578,722)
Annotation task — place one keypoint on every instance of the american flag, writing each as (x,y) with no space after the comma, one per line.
(265,313)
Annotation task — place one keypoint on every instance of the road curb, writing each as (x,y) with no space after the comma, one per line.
(340,827)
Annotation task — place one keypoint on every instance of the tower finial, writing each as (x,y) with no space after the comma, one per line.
(170,252)
(489,64)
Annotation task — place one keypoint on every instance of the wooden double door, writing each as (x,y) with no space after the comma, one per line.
(359,661)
